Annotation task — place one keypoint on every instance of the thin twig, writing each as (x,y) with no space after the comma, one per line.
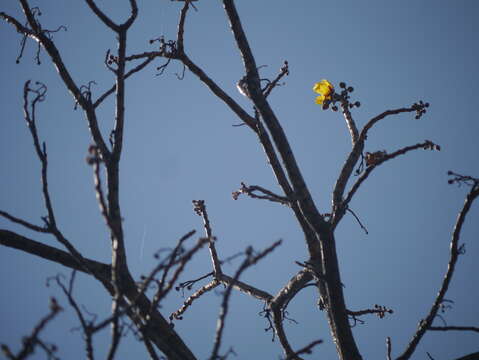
(24,223)
(357,219)
(85,325)
(184,260)
(354,156)
(455,328)
(32,340)
(305,350)
(268,195)
(127,75)
(196,295)
(250,260)
(344,205)
(144,286)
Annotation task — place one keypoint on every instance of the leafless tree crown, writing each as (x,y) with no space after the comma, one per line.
(130,299)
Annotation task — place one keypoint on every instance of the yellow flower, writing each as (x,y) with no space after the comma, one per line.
(325,89)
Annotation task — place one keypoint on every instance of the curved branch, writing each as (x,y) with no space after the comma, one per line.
(425,324)
(354,155)
(18,26)
(102,16)
(137,68)
(340,212)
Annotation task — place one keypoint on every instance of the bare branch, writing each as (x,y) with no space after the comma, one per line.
(250,260)
(44,40)
(18,26)
(181,28)
(22,222)
(151,350)
(388,348)
(200,210)
(357,150)
(308,208)
(137,68)
(357,219)
(305,350)
(30,118)
(94,160)
(85,325)
(425,324)
(31,341)
(278,305)
(455,328)
(204,289)
(19,242)
(278,328)
(284,71)
(462,179)
(375,163)
(164,290)
(289,291)
(29,108)
(268,195)
(158,330)
(102,16)
(379,310)
(245,288)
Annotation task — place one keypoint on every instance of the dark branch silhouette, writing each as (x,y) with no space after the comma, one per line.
(139,300)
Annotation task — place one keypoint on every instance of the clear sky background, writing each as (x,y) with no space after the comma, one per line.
(180,145)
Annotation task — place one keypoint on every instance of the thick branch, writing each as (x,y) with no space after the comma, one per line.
(158,329)
(336,308)
(472,356)
(19,242)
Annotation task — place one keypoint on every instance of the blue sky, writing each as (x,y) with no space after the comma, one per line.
(180,145)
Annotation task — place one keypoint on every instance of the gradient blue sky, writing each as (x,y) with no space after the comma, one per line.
(180,145)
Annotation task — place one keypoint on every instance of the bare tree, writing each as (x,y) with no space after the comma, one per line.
(129,295)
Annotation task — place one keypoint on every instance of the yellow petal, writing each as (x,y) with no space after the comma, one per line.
(317,88)
(320,99)
(323,87)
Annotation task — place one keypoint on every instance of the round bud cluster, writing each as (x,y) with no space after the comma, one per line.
(342,97)
(420,108)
